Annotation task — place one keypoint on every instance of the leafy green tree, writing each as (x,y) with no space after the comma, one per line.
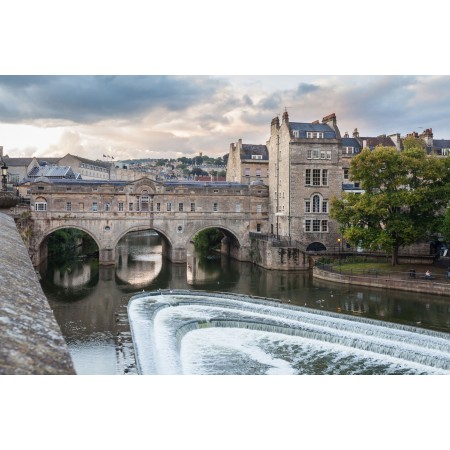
(403,195)
(445,225)
(207,239)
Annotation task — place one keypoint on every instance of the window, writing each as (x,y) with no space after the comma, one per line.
(121,206)
(307,206)
(348,150)
(215,207)
(180,207)
(317,226)
(258,228)
(169,206)
(40,206)
(68,206)
(316,203)
(314,135)
(346,174)
(258,172)
(238,208)
(308,177)
(107,206)
(316,154)
(296,133)
(324,206)
(256,156)
(258,208)
(158,207)
(94,206)
(319,177)
(192,207)
(316,177)
(247,172)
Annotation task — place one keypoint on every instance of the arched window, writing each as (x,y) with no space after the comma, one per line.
(40,204)
(316,204)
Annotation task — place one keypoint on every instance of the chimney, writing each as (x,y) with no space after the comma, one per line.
(330,120)
(316,121)
(1,151)
(356,133)
(346,134)
(285,117)
(275,125)
(427,137)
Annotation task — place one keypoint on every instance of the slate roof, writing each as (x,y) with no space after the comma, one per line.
(43,161)
(15,162)
(303,128)
(249,149)
(441,143)
(351,142)
(97,163)
(373,142)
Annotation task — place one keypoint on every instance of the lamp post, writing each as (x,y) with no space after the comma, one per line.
(4,176)
(339,248)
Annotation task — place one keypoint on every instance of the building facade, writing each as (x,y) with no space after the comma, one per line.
(247,163)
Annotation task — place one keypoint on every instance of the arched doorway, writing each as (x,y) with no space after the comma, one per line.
(316,247)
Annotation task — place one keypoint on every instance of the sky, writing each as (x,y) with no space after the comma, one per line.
(161,116)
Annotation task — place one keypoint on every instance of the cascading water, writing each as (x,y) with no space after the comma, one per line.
(187,332)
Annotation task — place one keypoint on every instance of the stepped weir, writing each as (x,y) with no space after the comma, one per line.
(188,332)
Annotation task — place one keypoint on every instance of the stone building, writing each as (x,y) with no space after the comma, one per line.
(247,163)
(305,173)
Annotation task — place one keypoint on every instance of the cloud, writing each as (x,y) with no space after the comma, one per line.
(89,99)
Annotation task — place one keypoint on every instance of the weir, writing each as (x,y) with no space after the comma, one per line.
(160,322)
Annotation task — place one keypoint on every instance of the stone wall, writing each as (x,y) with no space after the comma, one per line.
(264,254)
(385,282)
(31,341)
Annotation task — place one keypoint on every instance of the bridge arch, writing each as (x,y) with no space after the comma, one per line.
(40,244)
(62,227)
(132,229)
(231,245)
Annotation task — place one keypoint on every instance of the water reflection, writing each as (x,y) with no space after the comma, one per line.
(89,301)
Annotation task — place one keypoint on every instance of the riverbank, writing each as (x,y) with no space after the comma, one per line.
(410,279)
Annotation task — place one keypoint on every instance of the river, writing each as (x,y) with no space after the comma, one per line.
(90,301)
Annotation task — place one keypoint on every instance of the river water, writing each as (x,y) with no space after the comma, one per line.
(90,302)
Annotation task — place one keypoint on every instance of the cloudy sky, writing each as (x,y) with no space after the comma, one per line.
(172,116)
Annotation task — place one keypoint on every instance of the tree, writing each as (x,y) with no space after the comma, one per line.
(207,239)
(445,225)
(403,195)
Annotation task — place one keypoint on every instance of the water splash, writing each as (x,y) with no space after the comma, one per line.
(199,332)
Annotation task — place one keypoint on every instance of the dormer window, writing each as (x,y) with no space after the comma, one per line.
(296,133)
(314,134)
(256,156)
(348,150)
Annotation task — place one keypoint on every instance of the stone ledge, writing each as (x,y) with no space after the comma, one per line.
(31,341)
(384,283)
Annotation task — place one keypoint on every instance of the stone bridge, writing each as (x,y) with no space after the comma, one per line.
(177,211)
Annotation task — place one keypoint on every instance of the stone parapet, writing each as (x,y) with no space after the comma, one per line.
(31,341)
